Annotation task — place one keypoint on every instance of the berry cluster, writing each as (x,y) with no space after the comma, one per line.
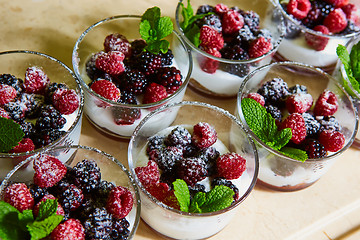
(313,126)
(124,71)
(92,208)
(231,33)
(37,105)
(325,16)
(190,157)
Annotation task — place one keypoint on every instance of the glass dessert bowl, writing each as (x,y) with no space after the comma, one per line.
(312,37)
(119,115)
(42,101)
(162,209)
(227,50)
(85,186)
(307,122)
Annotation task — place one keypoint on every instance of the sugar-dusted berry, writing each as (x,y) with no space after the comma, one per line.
(210,38)
(326,104)
(232,21)
(298,8)
(170,78)
(117,42)
(48,170)
(296,123)
(120,202)
(70,229)
(230,165)
(66,101)
(259,47)
(36,80)
(111,62)
(299,102)
(313,148)
(191,170)
(106,89)
(154,93)
(7,94)
(257,97)
(336,21)
(25,145)
(333,141)
(204,135)
(317,42)
(18,195)
(148,174)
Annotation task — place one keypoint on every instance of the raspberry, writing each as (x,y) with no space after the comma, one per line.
(134,81)
(149,174)
(86,175)
(111,62)
(171,200)
(49,118)
(106,89)
(166,158)
(51,88)
(222,181)
(25,145)
(326,104)
(59,210)
(204,135)
(296,123)
(350,12)
(317,42)
(299,102)
(311,124)
(210,38)
(70,229)
(66,101)
(179,136)
(298,8)
(230,166)
(154,93)
(274,91)
(170,78)
(7,94)
(232,22)
(257,97)
(333,141)
(117,42)
(337,3)
(336,21)
(220,9)
(4,113)
(259,47)
(191,170)
(48,171)
(313,148)
(210,65)
(35,80)
(18,195)
(158,190)
(120,202)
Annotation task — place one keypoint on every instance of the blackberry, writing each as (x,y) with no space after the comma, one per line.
(45,137)
(244,37)
(16,111)
(127,98)
(298,89)
(274,91)
(120,229)
(137,46)
(87,175)
(60,187)
(191,170)
(314,149)
(195,189)
(328,123)
(86,207)
(313,18)
(179,136)
(190,151)
(222,181)
(291,30)
(212,21)
(166,158)
(350,28)
(235,53)
(49,118)
(166,58)
(37,192)
(104,189)
(33,103)
(155,142)
(252,20)
(274,112)
(71,198)
(147,62)
(133,81)
(125,115)
(170,78)
(51,88)
(13,81)
(209,156)
(205,8)
(312,126)
(28,128)
(325,8)
(98,225)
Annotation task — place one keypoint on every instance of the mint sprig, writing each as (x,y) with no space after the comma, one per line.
(351,62)
(15,225)
(218,198)
(264,127)
(153,28)
(10,134)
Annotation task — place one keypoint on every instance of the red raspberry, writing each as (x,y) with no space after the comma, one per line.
(59,211)
(299,102)
(111,62)
(4,113)
(210,38)
(350,12)
(336,21)
(117,42)
(149,174)
(25,145)
(317,42)
(71,229)
(332,140)
(18,195)
(48,171)
(220,9)
(326,105)
(259,47)
(298,8)
(106,89)
(158,190)
(35,80)
(210,65)
(296,123)
(230,166)
(7,94)
(337,3)
(120,202)
(171,200)
(257,97)
(154,93)
(66,101)
(232,22)
(204,135)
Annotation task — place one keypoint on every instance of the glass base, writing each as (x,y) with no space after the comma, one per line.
(198,88)
(356,144)
(106,132)
(286,188)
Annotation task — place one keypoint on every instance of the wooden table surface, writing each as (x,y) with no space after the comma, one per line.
(330,209)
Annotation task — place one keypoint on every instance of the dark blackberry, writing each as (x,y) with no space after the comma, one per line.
(179,136)
(137,46)
(125,115)
(86,175)
(49,118)
(314,149)
(240,70)
(60,187)
(252,20)
(104,188)
(170,78)
(166,58)
(244,37)
(211,20)
(13,81)
(28,128)
(134,82)
(298,89)
(86,207)
(98,225)
(51,88)
(147,62)
(190,151)
(127,98)
(222,181)
(155,142)
(313,18)
(33,103)
(264,33)
(37,192)
(71,198)
(195,189)
(120,229)
(191,170)
(209,156)
(325,8)
(16,111)
(274,112)
(312,126)
(45,137)
(274,91)
(205,8)
(235,53)
(166,158)
(291,30)
(328,123)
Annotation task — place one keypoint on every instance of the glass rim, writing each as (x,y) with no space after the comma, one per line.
(198,104)
(75,62)
(308,67)
(78,116)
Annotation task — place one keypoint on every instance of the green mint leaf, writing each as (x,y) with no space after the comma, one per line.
(164,27)
(198,200)
(146,31)
(282,138)
(41,229)
(158,46)
(10,225)
(187,13)
(193,34)
(218,198)
(151,15)
(344,57)
(182,194)
(10,134)
(47,208)
(355,61)
(294,153)
(25,218)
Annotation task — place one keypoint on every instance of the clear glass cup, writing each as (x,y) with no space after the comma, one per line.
(16,63)
(103,113)
(183,225)
(297,50)
(111,170)
(278,171)
(222,83)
